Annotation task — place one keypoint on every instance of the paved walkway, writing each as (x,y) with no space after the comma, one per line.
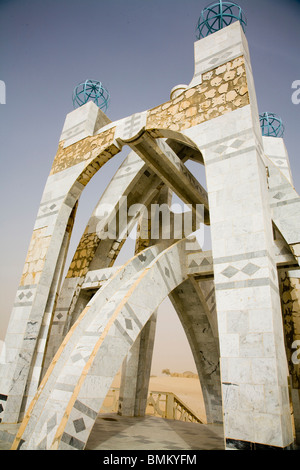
(114,432)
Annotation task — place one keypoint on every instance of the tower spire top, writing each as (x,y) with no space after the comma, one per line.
(218,15)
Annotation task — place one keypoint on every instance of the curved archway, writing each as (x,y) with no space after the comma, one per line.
(133,173)
(109,326)
(212,416)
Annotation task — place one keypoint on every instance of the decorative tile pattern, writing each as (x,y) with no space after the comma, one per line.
(98,277)
(249,269)
(229,148)
(25,296)
(114,432)
(205,64)
(49,208)
(200,263)
(230,271)
(130,127)
(79,425)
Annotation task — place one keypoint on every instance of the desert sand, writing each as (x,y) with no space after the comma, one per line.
(186,388)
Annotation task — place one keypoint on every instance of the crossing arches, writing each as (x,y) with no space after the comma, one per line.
(66,405)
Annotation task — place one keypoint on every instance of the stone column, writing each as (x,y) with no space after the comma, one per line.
(136,373)
(191,301)
(72,168)
(127,393)
(146,346)
(253,361)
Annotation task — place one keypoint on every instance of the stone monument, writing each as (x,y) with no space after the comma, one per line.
(238,303)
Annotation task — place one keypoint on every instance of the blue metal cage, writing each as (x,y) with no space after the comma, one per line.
(271,125)
(218,15)
(91,90)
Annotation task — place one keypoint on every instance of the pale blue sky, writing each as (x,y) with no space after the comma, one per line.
(139,49)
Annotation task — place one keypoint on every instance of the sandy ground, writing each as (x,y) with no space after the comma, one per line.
(187,389)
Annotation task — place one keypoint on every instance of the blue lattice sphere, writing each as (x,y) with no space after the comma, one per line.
(271,125)
(91,90)
(218,15)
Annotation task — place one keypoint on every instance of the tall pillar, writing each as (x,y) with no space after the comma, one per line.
(128,383)
(254,370)
(35,298)
(253,361)
(136,373)
(191,302)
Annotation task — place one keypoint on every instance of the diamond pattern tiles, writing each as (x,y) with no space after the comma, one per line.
(79,425)
(279,196)
(25,295)
(205,64)
(228,148)
(97,277)
(231,271)
(49,208)
(200,263)
(231,146)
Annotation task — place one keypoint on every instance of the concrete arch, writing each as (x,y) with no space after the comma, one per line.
(77,160)
(72,169)
(180,139)
(65,407)
(138,188)
(189,302)
(99,253)
(123,274)
(72,298)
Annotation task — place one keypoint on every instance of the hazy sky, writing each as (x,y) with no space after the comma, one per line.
(139,49)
